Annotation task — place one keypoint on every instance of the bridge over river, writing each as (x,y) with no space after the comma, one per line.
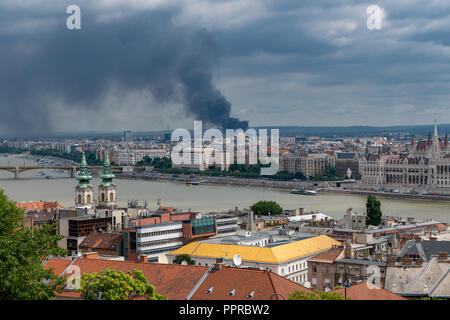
(16,170)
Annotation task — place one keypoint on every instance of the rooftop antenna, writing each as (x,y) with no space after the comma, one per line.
(158,201)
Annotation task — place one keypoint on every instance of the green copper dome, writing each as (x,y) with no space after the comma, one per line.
(107,174)
(83,176)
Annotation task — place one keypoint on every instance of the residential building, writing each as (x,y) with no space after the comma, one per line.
(352,220)
(430,279)
(418,251)
(287,259)
(311,165)
(343,264)
(103,243)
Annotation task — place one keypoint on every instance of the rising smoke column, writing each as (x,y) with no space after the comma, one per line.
(133,52)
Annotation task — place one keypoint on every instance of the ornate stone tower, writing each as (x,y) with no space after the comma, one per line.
(107,196)
(84,191)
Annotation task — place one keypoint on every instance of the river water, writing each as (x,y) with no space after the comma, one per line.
(203,198)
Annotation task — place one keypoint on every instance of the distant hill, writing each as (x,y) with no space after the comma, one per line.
(348,131)
(358,131)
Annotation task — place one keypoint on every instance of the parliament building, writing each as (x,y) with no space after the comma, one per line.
(424,166)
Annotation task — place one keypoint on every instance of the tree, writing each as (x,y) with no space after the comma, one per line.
(117,285)
(264,207)
(373,209)
(183,257)
(22,251)
(316,295)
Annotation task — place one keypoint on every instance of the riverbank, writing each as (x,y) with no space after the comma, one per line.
(324,186)
(424,197)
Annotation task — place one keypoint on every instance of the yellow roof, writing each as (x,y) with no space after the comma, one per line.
(277,254)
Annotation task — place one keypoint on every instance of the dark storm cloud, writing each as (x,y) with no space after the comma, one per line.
(325,61)
(281,62)
(142,50)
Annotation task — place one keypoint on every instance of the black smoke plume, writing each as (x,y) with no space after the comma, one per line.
(76,68)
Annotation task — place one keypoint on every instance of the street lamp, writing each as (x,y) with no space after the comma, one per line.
(347,282)
(346,285)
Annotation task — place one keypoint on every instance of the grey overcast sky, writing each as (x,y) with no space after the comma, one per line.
(147,65)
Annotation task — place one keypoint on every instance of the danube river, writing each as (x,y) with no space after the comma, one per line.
(205,197)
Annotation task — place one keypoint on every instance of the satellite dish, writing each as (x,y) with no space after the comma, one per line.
(237,260)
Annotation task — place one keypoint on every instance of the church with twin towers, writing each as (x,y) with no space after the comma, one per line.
(84,191)
(425,166)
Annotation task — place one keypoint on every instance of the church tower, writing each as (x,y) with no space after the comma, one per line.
(107,196)
(435,147)
(84,191)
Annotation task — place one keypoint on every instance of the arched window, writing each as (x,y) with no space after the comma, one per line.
(88,198)
(103,197)
(79,198)
(111,196)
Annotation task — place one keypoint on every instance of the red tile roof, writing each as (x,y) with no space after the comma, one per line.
(177,281)
(38,205)
(328,256)
(362,292)
(97,240)
(172,280)
(265,285)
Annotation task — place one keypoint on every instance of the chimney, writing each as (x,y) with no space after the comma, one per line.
(348,252)
(391,259)
(218,264)
(250,221)
(353,237)
(443,255)
(90,256)
(143,259)
(419,239)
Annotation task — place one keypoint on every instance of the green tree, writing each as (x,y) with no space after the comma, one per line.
(373,209)
(264,208)
(183,257)
(117,285)
(23,276)
(316,295)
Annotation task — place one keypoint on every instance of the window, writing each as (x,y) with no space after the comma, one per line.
(132,241)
